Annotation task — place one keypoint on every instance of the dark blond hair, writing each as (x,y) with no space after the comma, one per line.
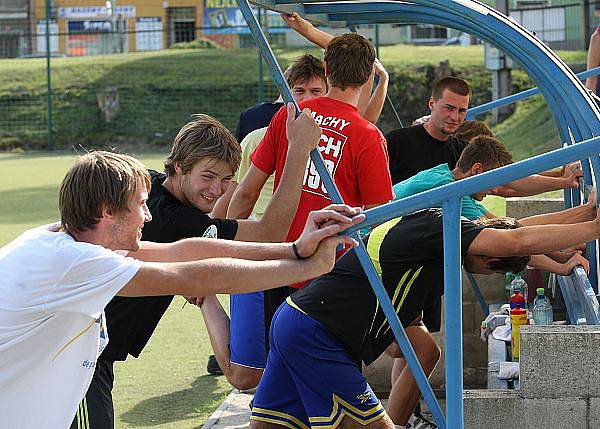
(203,137)
(468,130)
(491,153)
(349,58)
(305,68)
(453,84)
(98,181)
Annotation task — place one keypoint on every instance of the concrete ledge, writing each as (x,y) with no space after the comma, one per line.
(234,412)
(499,409)
(560,361)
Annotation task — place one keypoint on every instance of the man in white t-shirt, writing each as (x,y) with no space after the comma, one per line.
(56,279)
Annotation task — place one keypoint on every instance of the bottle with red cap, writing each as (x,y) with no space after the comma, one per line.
(517,300)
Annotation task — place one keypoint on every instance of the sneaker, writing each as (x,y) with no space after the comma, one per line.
(213,367)
(419,422)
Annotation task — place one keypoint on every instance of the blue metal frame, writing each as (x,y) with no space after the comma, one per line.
(494,104)
(572,107)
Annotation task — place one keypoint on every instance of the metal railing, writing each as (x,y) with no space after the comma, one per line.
(574,111)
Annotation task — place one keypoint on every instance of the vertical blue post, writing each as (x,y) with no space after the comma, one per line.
(453,314)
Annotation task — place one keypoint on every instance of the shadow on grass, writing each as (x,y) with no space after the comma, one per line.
(25,205)
(192,403)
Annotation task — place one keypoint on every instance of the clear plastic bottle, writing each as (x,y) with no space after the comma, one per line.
(518,284)
(542,309)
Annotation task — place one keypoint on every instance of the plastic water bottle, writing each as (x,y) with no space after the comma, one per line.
(518,284)
(542,309)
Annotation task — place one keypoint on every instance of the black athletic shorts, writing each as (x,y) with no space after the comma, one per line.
(96,408)
(432,316)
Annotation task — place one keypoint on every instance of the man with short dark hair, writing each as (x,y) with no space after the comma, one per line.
(432,143)
(51,312)
(324,332)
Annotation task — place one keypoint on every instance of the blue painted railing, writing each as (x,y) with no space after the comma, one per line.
(574,111)
(580,299)
(504,101)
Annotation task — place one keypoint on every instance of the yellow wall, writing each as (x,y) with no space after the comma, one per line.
(143,8)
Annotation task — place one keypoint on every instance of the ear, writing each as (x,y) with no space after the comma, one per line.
(177,167)
(489,260)
(430,103)
(326,69)
(107,213)
(477,168)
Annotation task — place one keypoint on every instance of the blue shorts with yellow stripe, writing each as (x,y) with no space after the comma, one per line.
(310,381)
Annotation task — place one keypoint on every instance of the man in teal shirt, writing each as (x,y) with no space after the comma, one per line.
(482,154)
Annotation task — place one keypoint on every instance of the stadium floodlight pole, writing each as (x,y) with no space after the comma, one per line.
(361,252)
(49,80)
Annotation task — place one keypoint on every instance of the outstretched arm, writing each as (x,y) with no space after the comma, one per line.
(533,240)
(543,262)
(577,214)
(537,183)
(246,193)
(306,29)
(227,275)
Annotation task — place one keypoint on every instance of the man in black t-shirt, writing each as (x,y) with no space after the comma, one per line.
(203,158)
(323,333)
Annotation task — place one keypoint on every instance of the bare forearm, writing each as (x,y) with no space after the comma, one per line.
(365,96)
(242,202)
(194,249)
(217,326)
(543,262)
(541,239)
(219,275)
(531,185)
(573,215)
(375,106)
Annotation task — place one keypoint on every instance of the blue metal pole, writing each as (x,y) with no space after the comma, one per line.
(378,288)
(477,183)
(485,107)
(453,314)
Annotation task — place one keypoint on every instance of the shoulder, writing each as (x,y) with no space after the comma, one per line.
(403,133)
(252,139)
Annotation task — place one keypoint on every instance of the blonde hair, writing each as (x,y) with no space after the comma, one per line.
(203,137)
(97,181)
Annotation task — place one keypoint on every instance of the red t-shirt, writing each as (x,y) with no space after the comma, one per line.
(354,151)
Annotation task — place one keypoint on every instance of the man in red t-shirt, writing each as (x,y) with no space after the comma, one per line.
(354,150)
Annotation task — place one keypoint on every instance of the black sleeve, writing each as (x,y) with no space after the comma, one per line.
(240,132)
(434,238)
(193,223)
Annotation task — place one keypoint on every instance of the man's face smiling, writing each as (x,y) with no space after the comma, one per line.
(205,183)
(447,113)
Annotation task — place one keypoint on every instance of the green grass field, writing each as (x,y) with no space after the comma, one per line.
(167,387)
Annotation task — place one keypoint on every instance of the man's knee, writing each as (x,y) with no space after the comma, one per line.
(383,423)
(243,378)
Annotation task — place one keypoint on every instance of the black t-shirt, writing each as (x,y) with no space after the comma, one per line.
(413,150)
(408,254)
(131,321)
(256,117)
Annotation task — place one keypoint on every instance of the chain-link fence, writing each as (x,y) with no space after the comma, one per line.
(112,85)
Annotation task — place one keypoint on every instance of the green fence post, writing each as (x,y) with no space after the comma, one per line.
(49,78)
(261,82)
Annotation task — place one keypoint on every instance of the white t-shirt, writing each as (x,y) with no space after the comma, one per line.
(53,291)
